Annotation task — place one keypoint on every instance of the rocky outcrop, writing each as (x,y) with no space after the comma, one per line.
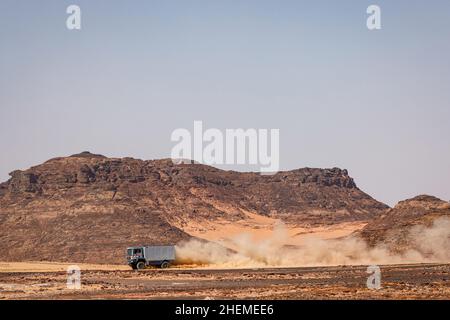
(67,207)
(393,228)
(23,182)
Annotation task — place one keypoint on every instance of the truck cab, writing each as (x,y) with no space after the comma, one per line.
(135,255)
(144,256)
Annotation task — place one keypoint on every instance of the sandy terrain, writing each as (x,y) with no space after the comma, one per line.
(398,282)
(47,280)
(260,227)
(18,267)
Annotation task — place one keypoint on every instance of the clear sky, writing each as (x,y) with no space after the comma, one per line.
(374,102)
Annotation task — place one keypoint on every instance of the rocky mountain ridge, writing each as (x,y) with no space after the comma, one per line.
(69,207)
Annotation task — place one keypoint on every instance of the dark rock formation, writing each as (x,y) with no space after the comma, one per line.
(392,228)
(88,208)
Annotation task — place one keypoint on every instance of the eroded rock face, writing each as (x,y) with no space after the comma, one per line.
(23,182)
(395,229)
(66,206)
(421,204)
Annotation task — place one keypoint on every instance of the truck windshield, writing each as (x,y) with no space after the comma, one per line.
(129,252)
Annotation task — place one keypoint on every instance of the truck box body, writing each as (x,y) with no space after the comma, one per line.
(140,257)
(159,253)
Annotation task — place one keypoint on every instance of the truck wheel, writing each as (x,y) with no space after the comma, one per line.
(165,265)
(133,266)
(140,265)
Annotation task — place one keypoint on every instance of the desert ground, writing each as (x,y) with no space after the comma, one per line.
(48,281)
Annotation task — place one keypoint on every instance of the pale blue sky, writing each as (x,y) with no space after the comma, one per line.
(374,102)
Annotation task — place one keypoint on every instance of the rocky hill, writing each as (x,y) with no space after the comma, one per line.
(88,208)
(411,224)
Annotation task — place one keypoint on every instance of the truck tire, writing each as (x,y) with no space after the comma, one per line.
(133,266)
(165,265)
(140,265)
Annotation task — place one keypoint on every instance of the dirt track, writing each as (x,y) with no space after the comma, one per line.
(398,282)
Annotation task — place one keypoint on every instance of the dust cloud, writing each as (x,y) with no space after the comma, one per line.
(426,245)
